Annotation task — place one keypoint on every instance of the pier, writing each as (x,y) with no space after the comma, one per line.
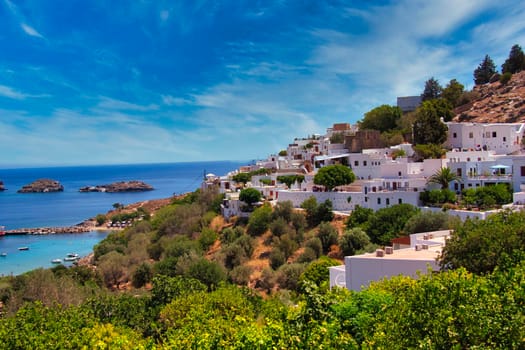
(48,230)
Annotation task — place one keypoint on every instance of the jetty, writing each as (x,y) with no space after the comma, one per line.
(48,230)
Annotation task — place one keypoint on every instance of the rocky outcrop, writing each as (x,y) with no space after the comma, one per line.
(42,186)
(496,103)
(122,186)
(2,188)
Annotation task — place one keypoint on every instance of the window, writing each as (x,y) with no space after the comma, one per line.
(493,134)
(504,139)
(468,159)
(400,201)
(364,162)
(522,169)
(379,201)
(470,135)
(458,172)
(388,201)
(398,173)
(356,163)
(454,135)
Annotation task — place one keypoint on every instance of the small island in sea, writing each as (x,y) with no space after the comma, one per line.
(121,186)
(42,186)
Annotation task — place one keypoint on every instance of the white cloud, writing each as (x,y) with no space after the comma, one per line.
(113,104)
(30,31)
(174,101)
(9,92)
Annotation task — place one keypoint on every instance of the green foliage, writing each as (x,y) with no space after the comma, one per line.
(437,197)
(317,272)
(443,177)
(328,235)
(453,92)
(485,71)
(515,62)
(359,217)
(259,220)
(277,258)
(487,197)
(429,151)
(207,238)
(505,78)
(166,288)
(240,275)
(100,219)
(289,180)
(142,275)
(315,244)
(482,245)
(288,276)
(242,178)
(337,137)
(332,176)
(388,223)
(432,90)
(353,241)
(229,234)
(392,138)
(382,118)
(115,241)
(112,267)
(428,127)
(426,221)
(250,195)
(398,153)
(283,153)
(283,210)
(208,272)
(315,214)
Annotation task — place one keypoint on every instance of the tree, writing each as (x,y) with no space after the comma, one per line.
(427,221)
(315,214)
(428,127)
(382,118)
(482,245)
(250,196)
(259,220)
(515,62)
(388,223)
(485,71)
(453,92)
(432,90)
(289,180)
(353,240)
(332,176)
(443,177)
(242,178)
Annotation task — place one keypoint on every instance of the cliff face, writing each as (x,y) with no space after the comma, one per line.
(122,186)
(42,185)
(496,103)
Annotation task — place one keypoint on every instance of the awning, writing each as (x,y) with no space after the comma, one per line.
(500,166)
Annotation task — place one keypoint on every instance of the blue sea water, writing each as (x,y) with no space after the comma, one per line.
(24,210)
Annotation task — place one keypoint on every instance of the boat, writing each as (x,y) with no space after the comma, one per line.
(3,255)
(56,261)
(70,258)
(23,248)
(72,255)
(2,230)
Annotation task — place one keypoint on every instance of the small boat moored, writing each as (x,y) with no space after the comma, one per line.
(3,255)
(56,261)
(23,248)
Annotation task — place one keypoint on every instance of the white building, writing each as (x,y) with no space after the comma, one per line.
(360,270)
(502,138)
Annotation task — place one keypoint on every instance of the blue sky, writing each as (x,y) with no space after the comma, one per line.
(103,82)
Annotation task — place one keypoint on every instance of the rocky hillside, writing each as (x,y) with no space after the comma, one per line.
(42,185)
(496,103)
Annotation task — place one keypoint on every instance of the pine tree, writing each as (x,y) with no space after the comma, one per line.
(453,92)
(432,90)
(516,61)
(485,71)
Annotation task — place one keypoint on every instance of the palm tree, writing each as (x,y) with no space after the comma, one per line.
(443,177)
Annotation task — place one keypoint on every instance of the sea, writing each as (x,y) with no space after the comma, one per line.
(70,207)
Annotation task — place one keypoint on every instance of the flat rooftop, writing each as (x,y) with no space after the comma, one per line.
(432,253)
